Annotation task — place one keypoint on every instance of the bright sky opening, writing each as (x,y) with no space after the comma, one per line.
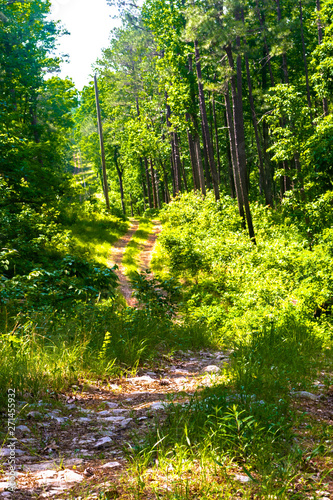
(89,23)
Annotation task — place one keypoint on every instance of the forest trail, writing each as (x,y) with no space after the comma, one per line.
(73,444)
(144,259)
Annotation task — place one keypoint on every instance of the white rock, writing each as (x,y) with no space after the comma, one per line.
(22,428)
(103,413)
(305,395)
(157,406)
(115,420)
(111,465)
(7,452)
(211,369)
(124,423)
(241,478)
(144,379)
(34,414)
(84,419)
(110,404)
(101,443)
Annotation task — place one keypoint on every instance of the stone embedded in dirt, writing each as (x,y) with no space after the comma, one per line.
(84,419)
(212,369)
(242,478)
(119,410)
(103,413)
(158,406)
(151,374)
(58,478)
(34,414)
(110,404)
(22,428)
(124,423)
(7,452)
(115,420)
(305,395)
(145,379)
(103,442)
(111,465)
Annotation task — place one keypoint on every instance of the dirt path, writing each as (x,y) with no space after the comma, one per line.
(72,447)
(146,254)
(144,257)
(116,257)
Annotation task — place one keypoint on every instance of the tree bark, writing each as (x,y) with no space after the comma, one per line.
(235,169)
(120,177)
(196,142)
(101,143)
(152,173)
(147,181)
(216,141)
(266,184)
(238,116)
(205,127)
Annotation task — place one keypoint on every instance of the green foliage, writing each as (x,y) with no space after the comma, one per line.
(241,288)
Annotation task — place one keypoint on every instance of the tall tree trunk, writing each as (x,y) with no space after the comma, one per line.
(195,173)
(230,163)
(304,57)
(165,179)
(266,183)
(320,41)
(235,169)
(147,181)
(101,143)
(206,162)
(216,140)
(267,56)
(205,123)
(152,173)
(120,177)
(238,116)
(196,142)
(177,163)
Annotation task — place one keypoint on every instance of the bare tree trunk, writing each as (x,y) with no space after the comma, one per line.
(147,181)
(266,50)
(230,164)
(239,135)
(196,142)
(195,173)
(235,169)
(152,173)
(205,123)
(266,184)
(101,143)
(120,177)
(216,141)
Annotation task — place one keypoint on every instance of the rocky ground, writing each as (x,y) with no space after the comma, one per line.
(74,446)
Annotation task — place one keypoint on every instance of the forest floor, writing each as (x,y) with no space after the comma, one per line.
(74,445)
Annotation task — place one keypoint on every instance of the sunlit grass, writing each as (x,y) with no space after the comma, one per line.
(133,249)
(95,235)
